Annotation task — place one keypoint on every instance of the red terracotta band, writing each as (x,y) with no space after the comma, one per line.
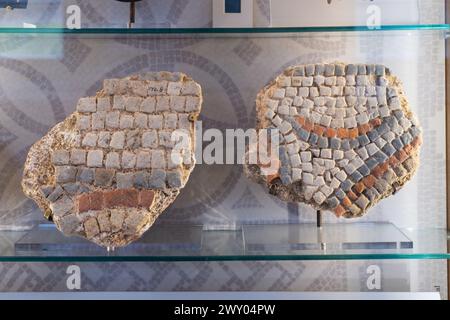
(128,198)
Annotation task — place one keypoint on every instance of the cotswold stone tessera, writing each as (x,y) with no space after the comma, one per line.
(106,173)
(348,137)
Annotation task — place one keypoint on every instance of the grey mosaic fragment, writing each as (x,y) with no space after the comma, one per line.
(373,135)
(407,138)
(363,140)
(389,149)
(364,170)
(340,194)
(356,176)
(380,157)
(313,138)
(157,179)
(56,194)
(345,145)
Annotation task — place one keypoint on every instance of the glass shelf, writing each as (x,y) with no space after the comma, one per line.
(346,241)
(222,31)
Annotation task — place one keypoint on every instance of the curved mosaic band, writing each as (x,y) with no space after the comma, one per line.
(348,138)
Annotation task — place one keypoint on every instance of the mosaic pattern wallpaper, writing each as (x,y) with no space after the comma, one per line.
(42,78)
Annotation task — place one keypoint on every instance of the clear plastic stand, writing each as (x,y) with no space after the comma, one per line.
(319,236)
(161,238)
(189,240)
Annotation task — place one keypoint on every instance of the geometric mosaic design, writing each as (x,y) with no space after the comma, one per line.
(348,138)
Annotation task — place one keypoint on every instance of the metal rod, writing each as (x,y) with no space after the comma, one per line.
(132,13)
(319,219)
(323,245)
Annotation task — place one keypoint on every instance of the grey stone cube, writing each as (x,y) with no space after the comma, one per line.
(356,176)
(95,158)
(345,145)
(380,157)
(98,120)
(150,139)
(174,179)
(177,103)
(143,160)
(119,102)
(389,149)
(364,170)
(148,105)
(346,185)
(112,119)
(407,138)
(133,139)
(71,188)
(158,159)
(103,104)
(415,131)
(104,139)
(128,160)
(55,194)
(162,103)
(118,140)
(192,104)
(60,157)
(371,163)
(373,135)
(141,120)
(141,179)
(351,69)
(313,138)
(90,139)
(157,179)
(155,121)
(132,104)
(124,180)
(85,175)
(112,160)
(340,194)
(77,156)
(170,121)
(165,139)
(126,121)
(87,105)
(363,140)
(65,174)
(62,206)
(84,122)
(333,202)
(104,177)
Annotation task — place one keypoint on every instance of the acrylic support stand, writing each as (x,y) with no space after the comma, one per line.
(195,240)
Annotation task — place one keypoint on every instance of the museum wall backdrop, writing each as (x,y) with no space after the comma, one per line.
(40,89)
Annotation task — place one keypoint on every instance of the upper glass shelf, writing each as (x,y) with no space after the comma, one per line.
(221,31)
(346,241)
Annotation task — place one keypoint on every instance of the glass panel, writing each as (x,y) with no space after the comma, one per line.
(44,75)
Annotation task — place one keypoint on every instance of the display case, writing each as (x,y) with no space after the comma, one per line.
(221,216)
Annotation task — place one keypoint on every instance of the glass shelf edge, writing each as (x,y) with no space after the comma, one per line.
(260,30)
(32,259)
